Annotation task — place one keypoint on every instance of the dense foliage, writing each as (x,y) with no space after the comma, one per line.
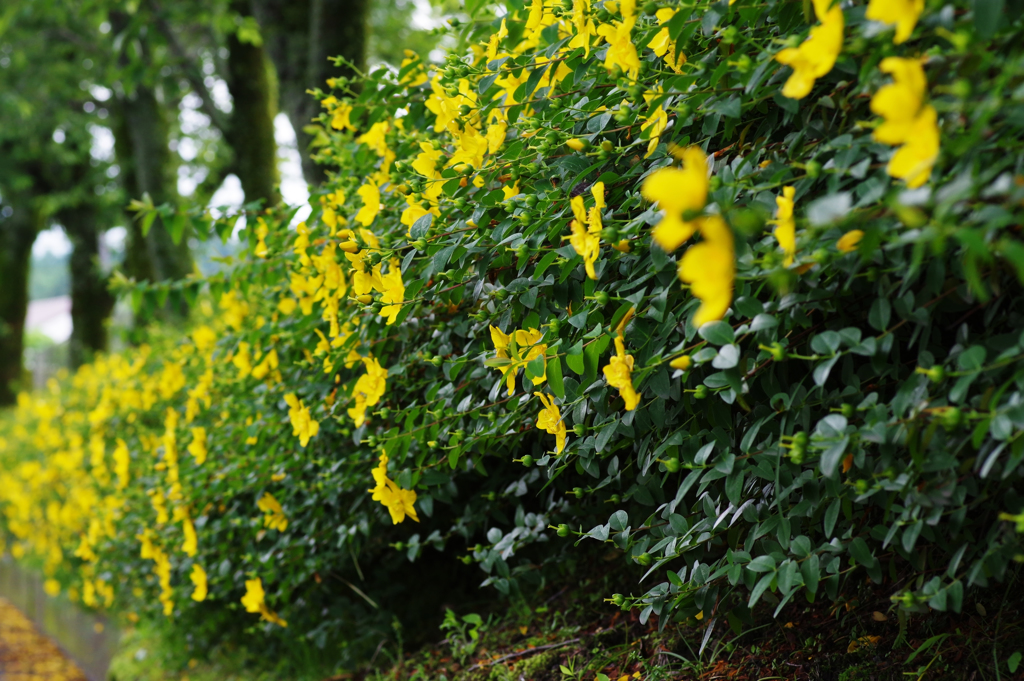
(733,287)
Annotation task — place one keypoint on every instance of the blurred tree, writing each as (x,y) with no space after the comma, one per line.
(301,36)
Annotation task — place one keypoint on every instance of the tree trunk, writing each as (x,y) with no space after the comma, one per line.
(300,36)
(254,96)
(147,167)
(91,301)
(17,233)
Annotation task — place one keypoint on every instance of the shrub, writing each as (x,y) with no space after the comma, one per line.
(732,287)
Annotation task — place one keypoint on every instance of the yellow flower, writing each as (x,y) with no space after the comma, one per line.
(492,44)
(197,448)
(198,578)
(785,225)
(339,111)
(550,420)
(191,543)
(682,362)
(710,268)
(370,194)
(848,242)
(122,459)
(903,13)
(617,373)
(275,518)
(907,121)
(913,161)
(368,390)
(587,242)
(584,26)
(899,103)
(655,124)
(662,43)
(427,161)
(394,292)
(621,50)
(417,75)
(678,190)
(242,361)
(204,338)
(268,364)
(398,501)
(254,601)
(374,137)
(523,339)
(262,231)
(817,55)
(304,426)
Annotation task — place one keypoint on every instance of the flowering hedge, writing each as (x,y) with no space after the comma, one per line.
(732,287)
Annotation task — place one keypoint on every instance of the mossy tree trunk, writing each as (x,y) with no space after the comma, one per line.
(147,167)
(17,233)
(91,301)
(251,130)
(300,36)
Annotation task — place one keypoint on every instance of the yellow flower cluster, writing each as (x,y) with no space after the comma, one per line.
(254,600)
(908,121)
(398,501)
(515,351)
(709,267)
(586,228)
(816,56)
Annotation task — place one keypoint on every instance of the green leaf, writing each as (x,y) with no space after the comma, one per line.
(860,552)
(880,313)
(910,535)
(1014,662)
(971,359)
(759,589)
(555,377)
(988,15)
(147,222)
(420,228)
(717,333)
(831,515)
(176,228)
(535,367)
(619,521)
(574,358)
(831,457)
(823,369)
(763,563)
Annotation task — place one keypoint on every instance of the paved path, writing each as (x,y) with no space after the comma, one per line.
(27,655)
